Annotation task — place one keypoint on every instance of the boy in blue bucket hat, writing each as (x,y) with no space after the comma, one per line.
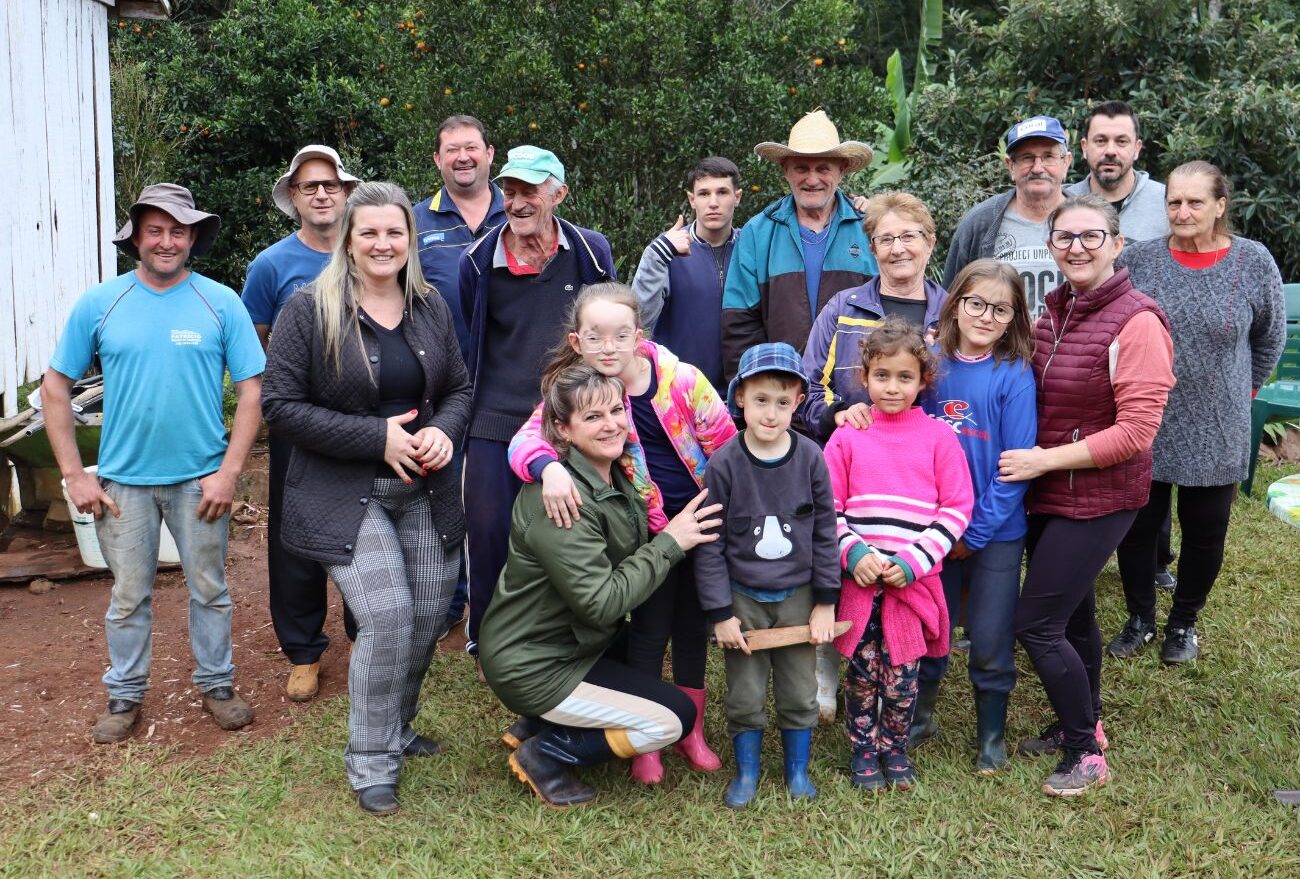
(775,564)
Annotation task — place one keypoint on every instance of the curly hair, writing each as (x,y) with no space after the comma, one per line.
(896,335)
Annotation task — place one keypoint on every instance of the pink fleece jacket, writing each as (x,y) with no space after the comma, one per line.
(901,486)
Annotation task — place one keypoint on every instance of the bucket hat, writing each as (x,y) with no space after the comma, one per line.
(177,202)
(765,357)
(815,135)
(280,193)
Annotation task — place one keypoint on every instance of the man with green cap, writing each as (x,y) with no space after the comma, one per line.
(517,283)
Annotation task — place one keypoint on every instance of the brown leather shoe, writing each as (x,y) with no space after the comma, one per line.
(304,682)
(117,721)
(226,708)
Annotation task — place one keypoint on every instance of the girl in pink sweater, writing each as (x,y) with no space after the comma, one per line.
(902,499)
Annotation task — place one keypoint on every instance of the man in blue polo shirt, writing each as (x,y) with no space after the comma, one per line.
(165,337)
(680,278)
(312,193)
(453,218)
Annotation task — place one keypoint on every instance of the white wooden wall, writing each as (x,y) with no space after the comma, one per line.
(56,162)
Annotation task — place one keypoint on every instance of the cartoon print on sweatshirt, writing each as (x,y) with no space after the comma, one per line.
(772,543)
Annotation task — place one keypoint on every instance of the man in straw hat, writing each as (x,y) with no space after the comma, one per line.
(801,250)
(312,193)
(165,337)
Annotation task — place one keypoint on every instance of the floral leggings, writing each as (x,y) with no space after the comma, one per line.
(878,695)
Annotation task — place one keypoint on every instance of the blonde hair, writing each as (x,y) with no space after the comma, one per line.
(562,355)
(904,204)
(338,288)
(1018,340)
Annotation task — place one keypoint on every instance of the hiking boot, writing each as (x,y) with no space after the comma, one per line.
(865,772)
(1165,580)
(379,799)
(1181,645)
(226,708)
(1048,741)
(523,729)
(552,780)
(924,727)
(422,746)
(304,682)
(116,723)
(898,769)
(1135,635)
(1077,772)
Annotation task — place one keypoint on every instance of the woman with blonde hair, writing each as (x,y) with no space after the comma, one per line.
(364,377)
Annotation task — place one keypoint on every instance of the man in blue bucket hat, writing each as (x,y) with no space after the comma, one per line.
(165,337)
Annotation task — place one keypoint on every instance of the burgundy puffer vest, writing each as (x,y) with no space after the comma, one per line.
(1075,399)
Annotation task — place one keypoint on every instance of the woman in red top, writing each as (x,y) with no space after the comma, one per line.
(1103,364)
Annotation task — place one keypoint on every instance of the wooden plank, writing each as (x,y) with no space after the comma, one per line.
(101,102)
(56,559)
(9,95)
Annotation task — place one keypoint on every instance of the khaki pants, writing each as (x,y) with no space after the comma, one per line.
(792,669)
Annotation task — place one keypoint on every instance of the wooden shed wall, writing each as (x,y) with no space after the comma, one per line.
(56,157)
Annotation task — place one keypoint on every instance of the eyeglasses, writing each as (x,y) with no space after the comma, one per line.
(884,242)
(1025,161)
(975,307)
(309,187)
(1091,239)
(594,344)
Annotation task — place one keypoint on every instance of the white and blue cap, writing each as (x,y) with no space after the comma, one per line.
(1048,127)
(765,357)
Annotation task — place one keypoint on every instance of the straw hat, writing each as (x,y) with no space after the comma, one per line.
(815,135)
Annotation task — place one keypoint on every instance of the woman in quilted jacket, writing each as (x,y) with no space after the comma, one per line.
(364,378)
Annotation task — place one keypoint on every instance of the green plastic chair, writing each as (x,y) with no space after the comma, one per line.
(1281,396)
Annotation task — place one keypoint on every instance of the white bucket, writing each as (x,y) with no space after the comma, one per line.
(83,526)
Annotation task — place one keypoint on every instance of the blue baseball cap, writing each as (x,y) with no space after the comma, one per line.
(532,165)
(765,357)
(1047,127)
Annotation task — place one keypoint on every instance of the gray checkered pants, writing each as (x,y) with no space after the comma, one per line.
(398,587)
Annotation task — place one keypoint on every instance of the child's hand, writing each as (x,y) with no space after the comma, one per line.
(868,569)
(560,497)
(730,637)
(821,624)
(894,575)
(960,550)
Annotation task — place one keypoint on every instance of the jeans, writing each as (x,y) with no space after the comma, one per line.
(130,546)
(992,575)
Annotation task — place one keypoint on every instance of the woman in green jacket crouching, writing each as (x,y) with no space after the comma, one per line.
(548,643)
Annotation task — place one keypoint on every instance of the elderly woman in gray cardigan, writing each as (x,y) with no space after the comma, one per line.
(1223,297)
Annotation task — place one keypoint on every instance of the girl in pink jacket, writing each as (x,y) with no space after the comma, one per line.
(902,499)
(677,421)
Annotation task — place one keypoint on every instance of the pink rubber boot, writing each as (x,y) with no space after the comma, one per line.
(692,745)
(647,768)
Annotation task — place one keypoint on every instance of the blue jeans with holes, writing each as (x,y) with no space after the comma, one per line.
(130,546)
(992,576)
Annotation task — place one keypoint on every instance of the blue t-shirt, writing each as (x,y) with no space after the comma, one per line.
(991,407)
(164,354)
(814,255)
(277,273)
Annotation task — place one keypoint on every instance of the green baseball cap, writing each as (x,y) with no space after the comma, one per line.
(532,165)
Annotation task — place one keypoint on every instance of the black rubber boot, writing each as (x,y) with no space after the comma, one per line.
(990,731)
(545,762)
(924,726)
(523,729)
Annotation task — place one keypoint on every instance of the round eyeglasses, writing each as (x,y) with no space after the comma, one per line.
(975,307)
(594,344)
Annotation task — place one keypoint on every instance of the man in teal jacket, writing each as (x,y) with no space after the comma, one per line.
(798,252)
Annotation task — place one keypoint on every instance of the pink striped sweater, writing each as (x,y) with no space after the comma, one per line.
(901,486)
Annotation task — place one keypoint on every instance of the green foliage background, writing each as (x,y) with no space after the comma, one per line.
(631,94)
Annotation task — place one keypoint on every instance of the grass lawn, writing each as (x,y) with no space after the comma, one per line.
(1195,753)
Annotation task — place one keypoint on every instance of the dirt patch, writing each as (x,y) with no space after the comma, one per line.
(53,655)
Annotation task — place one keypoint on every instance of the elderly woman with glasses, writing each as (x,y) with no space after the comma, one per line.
(901,232)
(1103,364)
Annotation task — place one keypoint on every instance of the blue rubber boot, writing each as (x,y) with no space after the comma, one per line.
(797,744)
(747,746)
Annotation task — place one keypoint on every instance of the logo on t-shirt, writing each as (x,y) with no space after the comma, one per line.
(960,416)
(186,337)
(432,237)
(854,250)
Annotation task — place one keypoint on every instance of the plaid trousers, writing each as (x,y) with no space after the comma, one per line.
(398,587)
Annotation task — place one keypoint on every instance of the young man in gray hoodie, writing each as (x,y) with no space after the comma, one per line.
(1111,144)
